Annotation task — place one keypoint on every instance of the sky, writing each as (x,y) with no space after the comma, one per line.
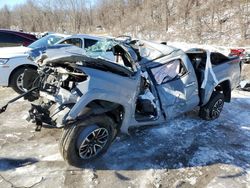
(11,3)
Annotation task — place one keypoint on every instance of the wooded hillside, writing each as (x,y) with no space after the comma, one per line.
(200,21)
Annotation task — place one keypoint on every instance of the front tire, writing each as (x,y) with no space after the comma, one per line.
(213,108)
(87,140)
(16,80)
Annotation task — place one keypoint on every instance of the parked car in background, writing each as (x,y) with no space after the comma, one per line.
(237,52)
(12,65)
(13,60)
(242,53)
(247,56)
(15,38)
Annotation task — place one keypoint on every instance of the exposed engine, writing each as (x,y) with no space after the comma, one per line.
(56,93)
(50,79)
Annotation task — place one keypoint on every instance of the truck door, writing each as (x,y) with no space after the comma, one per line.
(177,87)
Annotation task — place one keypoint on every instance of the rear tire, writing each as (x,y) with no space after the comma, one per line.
(213,108)
(86,140)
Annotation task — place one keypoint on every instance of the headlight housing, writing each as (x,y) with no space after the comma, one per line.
(3,61)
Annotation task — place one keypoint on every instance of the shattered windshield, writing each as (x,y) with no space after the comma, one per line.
(102,46)
(102,49)
(114,51)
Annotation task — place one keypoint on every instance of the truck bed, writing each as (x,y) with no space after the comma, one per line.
(222,70)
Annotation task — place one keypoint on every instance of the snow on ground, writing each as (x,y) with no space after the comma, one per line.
(185,152)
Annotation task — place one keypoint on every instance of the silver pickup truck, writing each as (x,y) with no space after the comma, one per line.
(93,98)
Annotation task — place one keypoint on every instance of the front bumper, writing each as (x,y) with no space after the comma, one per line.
(5,72)
(247,60)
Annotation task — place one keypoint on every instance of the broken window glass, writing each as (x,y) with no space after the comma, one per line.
(167,71)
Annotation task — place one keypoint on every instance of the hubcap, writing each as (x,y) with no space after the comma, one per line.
(217,108)
(19,82)
(93,143)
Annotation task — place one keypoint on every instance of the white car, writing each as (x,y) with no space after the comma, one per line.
(13,60)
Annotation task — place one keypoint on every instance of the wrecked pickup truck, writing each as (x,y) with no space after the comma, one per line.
(93,99)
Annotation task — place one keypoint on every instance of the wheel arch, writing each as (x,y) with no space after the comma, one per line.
(225,88)
(99,106)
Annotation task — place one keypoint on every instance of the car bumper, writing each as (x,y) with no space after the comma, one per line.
(246,60)
(5,71)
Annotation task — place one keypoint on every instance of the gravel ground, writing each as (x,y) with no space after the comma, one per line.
(246,72)
(186,152)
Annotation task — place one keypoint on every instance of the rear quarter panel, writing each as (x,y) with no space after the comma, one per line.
(228,71)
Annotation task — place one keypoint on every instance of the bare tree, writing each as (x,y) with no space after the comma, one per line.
(5,14)
(190,20)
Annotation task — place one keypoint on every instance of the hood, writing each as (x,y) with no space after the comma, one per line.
(74,56)
(9,52)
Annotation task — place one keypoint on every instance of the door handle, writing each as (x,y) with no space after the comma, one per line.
(190,84)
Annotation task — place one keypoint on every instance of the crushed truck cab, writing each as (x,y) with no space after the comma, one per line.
(94,98)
